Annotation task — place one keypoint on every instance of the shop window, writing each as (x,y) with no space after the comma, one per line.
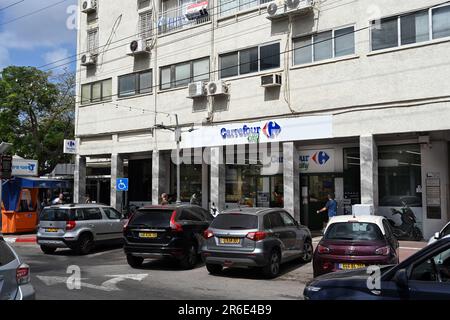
(352,179)
(399,175)
(190,184)
(140,175)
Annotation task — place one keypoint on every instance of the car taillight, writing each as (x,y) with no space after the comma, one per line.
(125,226)
(383,251)
(23,274)
(70,225)
(322,249)
(256,236)
(327,266)
(175,226)
(207,234)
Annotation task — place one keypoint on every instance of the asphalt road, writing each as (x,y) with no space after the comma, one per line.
(106,275)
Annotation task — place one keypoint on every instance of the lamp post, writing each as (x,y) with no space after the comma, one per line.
(4,146)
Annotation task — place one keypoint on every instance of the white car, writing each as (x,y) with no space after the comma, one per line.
(439,235)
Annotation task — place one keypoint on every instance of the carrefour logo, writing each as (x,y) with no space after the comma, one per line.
(320,157)
(271,130)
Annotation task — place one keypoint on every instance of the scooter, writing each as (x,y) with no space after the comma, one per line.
(408,229)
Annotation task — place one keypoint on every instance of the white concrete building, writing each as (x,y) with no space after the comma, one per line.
(360,104)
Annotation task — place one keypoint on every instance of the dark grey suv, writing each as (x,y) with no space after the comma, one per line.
(255,237)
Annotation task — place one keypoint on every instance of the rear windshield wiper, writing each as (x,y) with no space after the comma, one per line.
(239,227)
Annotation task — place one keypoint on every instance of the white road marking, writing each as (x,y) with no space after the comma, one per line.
(93,255)
(108,285)
(411,248)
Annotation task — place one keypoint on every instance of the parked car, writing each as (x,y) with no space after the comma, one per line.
(423,276)
(439,235)
(255,237)
(79,227)
(166,231)
(14,275)
(355,242)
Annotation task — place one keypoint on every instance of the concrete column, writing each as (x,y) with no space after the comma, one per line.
(291,179)
(369,171)
(116,172)
(79,181)
(217,178)
(160,175)
(205,186)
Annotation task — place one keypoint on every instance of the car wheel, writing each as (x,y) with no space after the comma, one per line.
(48,250)
(214,268)
(134,262)
(272,269)
(190,258)
(307,251)
(85,244)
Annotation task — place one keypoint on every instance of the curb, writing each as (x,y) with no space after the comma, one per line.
(21,240)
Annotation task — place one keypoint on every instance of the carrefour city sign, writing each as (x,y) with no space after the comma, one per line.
(270,129)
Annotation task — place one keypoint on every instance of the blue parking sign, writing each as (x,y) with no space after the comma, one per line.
(122,184)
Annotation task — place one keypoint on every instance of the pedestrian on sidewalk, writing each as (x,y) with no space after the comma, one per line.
(330,207)
(164,199)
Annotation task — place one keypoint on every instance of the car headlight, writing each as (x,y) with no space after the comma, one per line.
(313,289)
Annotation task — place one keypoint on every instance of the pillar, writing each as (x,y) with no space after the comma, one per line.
(291,179)
(116,173)
(160,175)
(79,181)
(369,171)
(205,186)
(217,178)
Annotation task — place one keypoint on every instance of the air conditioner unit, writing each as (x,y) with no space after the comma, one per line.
(271,80)
(89,6)
(137,47)
(88,59)
(196,10)
(298,6)
(196,90)
(275,9)
(217,88)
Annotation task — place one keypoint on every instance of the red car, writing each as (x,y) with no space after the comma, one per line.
(355,242)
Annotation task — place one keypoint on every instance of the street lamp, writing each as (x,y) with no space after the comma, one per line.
(4,146)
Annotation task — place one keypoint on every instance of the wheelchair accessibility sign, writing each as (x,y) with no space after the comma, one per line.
(122,184)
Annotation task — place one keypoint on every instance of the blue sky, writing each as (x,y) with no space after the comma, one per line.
(38,39)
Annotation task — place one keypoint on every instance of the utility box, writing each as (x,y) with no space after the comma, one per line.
(363,210)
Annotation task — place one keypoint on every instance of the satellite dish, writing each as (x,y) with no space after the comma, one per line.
(292,4)
(134,45)
(272,8)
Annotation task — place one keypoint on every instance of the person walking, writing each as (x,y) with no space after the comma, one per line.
(330,207)
(164,199)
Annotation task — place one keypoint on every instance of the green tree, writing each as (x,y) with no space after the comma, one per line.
(37,114)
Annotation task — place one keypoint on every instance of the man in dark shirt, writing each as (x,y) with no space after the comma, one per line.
(330,206)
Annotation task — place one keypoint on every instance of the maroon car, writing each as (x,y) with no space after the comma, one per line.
(355,242)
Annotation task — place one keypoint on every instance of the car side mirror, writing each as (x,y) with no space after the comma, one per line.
(437,235)
(401,278)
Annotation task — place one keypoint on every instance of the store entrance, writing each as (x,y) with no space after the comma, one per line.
(314,191)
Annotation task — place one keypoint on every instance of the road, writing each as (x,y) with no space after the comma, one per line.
(106,275)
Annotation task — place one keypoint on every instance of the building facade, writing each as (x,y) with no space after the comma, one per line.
(278,103)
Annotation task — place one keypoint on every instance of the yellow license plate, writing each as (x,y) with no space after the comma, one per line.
(51,230)
(148,235)
(350,266)
(230,240)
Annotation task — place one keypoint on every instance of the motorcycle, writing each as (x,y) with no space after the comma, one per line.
(407,230)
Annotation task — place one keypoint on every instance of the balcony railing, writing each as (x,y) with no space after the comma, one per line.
(175,19)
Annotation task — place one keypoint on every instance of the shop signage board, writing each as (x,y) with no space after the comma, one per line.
(24,167)
(267,131)
(70,147)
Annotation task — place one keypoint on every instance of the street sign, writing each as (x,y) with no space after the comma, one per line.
(122,184)
(5,167)
(70,146)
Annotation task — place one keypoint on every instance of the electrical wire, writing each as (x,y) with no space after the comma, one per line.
(11,5)
(33,13)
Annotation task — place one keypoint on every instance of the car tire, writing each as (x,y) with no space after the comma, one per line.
(272,269)
(48,250)
(214,269)
(85,244)
(307,251)
(190,259)
(134,262)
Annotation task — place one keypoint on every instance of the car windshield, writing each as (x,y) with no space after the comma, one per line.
(353,231)
(235,222)
(153,218)
(57,215)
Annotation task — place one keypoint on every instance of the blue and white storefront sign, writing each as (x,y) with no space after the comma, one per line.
(24,168)
(276,130)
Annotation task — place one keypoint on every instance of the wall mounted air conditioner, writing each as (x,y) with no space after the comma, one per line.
(89,6)
(293,6)
(275,9)
(196,10)
(196,90)
(217,88)
(271,80)
(137,47)
(283,8)
(88,59)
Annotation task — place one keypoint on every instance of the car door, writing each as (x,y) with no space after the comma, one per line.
(392,240)
(279,231)
(294,235)
(192,223)
(97,223)
(116,223)
(8,267)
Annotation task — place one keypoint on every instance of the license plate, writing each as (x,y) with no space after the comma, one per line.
(350,266)
(51,230)
(229,240)
(148,235)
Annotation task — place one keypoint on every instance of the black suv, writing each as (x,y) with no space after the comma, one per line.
(166,231)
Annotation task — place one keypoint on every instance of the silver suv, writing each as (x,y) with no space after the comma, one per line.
(79,227)
(254,237)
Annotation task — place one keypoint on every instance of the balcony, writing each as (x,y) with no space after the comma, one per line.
(181,17)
